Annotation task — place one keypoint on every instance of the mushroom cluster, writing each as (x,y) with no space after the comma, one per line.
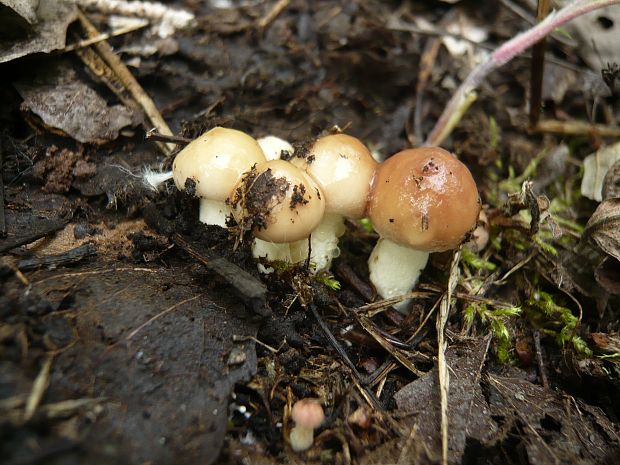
(294,201)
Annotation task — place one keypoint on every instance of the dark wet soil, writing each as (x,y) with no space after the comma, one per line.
(130,333)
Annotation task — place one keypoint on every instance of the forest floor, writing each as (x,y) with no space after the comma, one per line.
(131,333)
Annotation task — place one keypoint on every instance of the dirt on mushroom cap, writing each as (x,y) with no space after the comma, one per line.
(277,202)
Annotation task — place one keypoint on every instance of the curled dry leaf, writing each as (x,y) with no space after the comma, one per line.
(45,34)
(595,167)
(603,228)
(607,275)
(62,103)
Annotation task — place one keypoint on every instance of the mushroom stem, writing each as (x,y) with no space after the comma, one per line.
(324,241)
(214,212)
(301,438)
(271,252)
(395,269)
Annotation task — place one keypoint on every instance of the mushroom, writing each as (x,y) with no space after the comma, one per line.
(274,146)
(278,202)
(422,200)
(214,162)
(343,168)
(307,415)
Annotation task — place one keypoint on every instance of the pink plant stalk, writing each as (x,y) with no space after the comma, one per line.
(464,95)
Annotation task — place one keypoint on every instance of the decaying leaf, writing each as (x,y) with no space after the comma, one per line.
(67,105)
(595,167)
(464,26)
(604,227)
(17,17)
(607,275)
(611,183)
(597,34)
(48,32)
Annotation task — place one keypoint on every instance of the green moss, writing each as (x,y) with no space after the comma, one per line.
(473,260)
(558,322)
(496,320)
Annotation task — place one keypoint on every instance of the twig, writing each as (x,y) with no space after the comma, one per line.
(375,308)
(273,350)
(49,227)
(418,334)
(462,98)
(577,128)
(345,273)
(444,376)
(538,67)
(38,388)
(273,13)
(152,134)
(159,315)
(2,216)
(52,261)
(94,272)
(104,36)
(395,352)
(334,342)
(249,288)
(539,360)
(134,88)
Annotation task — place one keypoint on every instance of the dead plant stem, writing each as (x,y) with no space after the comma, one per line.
(444,376)
(463,96)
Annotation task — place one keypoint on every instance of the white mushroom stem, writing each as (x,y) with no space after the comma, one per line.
(324,247)
(324,241)
(395,269)
(270,252)
(274,146)
(214,212)
(301,438)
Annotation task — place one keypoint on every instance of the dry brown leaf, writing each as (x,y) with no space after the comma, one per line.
(604,227)
(611,183)
(595,167)
(47,34)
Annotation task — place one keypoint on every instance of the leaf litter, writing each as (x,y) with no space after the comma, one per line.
(155,346)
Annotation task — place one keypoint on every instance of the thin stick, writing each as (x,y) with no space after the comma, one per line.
(134,88)
(38,388)
(539,360)
(152,134)
(104,36)
(93,272)
(2,215)
(273,13)
(444,375)
(538,67)
(577,128)
(502,55)
(159,315)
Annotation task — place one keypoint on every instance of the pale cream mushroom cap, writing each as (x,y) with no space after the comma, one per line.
(215,161)
(343,167)
(424,198)
(280,201)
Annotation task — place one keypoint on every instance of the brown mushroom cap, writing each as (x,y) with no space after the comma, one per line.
(308,413)
(278,201)
(343,167)
(424,198)
(215,161)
